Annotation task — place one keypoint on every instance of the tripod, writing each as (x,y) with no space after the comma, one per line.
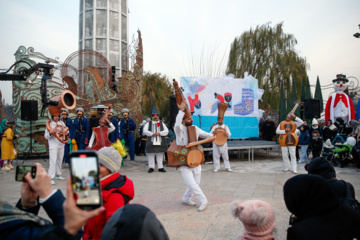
(31,149)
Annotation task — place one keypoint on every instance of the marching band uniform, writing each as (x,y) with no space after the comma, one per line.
(114,135)
(127,126)
(191,175)
(56,152)
(221,150)
(81,125)
(155,145)
(69,123)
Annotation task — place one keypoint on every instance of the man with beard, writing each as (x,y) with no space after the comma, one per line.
(69,123)
(191,175)
(81,126)
(156,145)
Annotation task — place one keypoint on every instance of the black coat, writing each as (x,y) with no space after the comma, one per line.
(319,215)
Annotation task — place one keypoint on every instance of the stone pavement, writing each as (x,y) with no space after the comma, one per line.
(162,193)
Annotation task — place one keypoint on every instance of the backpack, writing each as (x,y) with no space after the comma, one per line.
(349,201)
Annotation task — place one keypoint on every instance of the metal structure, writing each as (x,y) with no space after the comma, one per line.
(88,75)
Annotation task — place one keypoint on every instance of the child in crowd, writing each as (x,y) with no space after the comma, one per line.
(257,217)
(117,191)
(304,139)
(316,144)
(7,146)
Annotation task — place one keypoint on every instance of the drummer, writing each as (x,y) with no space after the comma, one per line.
(223,149)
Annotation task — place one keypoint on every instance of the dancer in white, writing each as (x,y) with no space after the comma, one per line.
(56,149)
(191,175)
(221,150)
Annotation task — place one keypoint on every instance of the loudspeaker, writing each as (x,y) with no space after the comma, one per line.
(29,110)
(312,108)
(173,108)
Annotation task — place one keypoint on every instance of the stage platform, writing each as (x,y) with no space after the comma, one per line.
(249,145)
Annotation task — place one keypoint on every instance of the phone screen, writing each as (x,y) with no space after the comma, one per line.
(85,181)
(22,170)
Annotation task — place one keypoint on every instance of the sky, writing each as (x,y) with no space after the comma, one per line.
(179,34)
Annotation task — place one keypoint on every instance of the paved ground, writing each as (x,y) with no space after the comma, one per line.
(162,192)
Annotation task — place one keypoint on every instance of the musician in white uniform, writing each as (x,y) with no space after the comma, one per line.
(156,146)
(191,175)
(56,149)
(221,150)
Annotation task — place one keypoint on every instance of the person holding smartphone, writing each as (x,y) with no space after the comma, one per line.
(56,149)
(117,191)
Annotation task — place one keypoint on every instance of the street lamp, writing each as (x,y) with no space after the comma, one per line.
(357,35)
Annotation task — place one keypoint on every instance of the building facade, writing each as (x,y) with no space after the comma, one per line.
(103,27)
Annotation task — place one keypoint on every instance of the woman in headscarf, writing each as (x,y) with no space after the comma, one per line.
(2,126)
(317,211)
(7,146)
(355,127)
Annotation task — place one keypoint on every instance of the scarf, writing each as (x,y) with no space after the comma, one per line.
(2,125)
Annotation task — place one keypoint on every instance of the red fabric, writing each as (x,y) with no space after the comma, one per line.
(112,202)
(193,102)
(338,97)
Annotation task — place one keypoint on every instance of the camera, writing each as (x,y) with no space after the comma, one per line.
(22,170)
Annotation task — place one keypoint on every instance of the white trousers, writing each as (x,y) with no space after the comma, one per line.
(220,151)
(285,155)
(192,177)
(56,156)
(159,159)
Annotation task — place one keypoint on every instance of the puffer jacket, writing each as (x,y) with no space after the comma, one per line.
(117,190)
(304,137)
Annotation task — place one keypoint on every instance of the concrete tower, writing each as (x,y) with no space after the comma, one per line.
(103,27)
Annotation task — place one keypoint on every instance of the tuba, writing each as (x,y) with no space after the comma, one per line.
(66,100)
(220,133)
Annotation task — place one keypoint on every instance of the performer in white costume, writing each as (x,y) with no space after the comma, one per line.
(191,175)
(221,150)
(56,149)
(156,145)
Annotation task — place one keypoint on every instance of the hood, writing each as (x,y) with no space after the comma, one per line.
(328,144)
(309,195)
(340,120)
(321,167)
(122,184)
(133,222)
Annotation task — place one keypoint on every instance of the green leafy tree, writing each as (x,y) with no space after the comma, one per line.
(268,54)
(156,92)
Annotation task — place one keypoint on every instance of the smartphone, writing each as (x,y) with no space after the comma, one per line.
(22,170)
(85,179)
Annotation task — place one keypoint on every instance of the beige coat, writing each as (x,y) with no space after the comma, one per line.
(7,146)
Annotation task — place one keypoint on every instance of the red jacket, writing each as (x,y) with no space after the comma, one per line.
(117,190)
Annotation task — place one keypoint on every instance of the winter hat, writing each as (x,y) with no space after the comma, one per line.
(110,158)
(351,141)
(79,109)
(321,167)
(328,144)
(268,117)
(124,110)
(66,110)
(257,217)
(314,122)
(134,222)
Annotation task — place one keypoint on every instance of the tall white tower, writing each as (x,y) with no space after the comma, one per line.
(103,27)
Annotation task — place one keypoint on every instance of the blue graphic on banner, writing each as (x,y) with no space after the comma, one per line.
(246,106)
(239,127)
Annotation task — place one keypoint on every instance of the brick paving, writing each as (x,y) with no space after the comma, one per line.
(162,193)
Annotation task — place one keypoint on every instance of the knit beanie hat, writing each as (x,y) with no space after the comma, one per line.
(257,217)
(110,158)
(320,166)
